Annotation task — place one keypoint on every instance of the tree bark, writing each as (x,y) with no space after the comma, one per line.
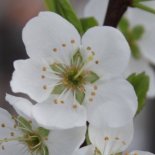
(115,11)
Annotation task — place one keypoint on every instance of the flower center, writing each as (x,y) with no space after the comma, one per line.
(69,79)
(33,141)
(73,77)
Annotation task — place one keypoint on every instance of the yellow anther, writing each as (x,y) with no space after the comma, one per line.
(90,58)
(75,106)
(106,138)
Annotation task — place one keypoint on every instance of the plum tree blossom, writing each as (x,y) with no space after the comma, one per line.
(90,150)
(23,136)
(69,76)
(142,44)
(106,140)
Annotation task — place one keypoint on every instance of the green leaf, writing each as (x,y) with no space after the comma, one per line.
(57,67)
(88,23)
(50,5)
(43,132)
(63,8)
(137,32)
(135,50)
(91,77)
(58,89)
(24,124)
(124,25)
(77,59)
(80,95)
(140,83)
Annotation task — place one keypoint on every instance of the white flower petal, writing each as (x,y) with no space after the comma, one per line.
(97,9)
(140,153)
(115,103)
(87,150)
(50,36)
(7,125)
(139,66)
(111,140)
(110,54)
(33,79)
(22,106)
(65,142)
(8,130)
(14,148)
(59,115)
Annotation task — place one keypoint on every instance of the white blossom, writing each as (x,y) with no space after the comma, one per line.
(73,77)
(21,135)
(106,140)
(145,43)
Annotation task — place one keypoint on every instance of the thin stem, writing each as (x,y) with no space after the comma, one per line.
(137,1)
(143,7)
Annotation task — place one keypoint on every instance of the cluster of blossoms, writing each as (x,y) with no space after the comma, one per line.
(77,86)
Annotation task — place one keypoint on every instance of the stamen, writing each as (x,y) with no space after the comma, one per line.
(90,58)
(44,87)
(97,62)
(74,106)
(106,139)
(55,49)
(5,140)
(44,68)
(59,98)
(63,45)
(72,41)
(88,48)
(43,76)
(3,125)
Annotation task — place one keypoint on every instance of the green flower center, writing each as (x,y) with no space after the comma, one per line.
(33,141)
(69,79)
(73,77)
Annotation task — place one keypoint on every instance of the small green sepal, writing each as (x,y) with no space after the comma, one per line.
(57,67)
(43,132)
(24,124)
(80,95)
(77,59)
(58,89)
(91,77)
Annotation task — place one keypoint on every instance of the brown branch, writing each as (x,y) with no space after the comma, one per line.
(115,11)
